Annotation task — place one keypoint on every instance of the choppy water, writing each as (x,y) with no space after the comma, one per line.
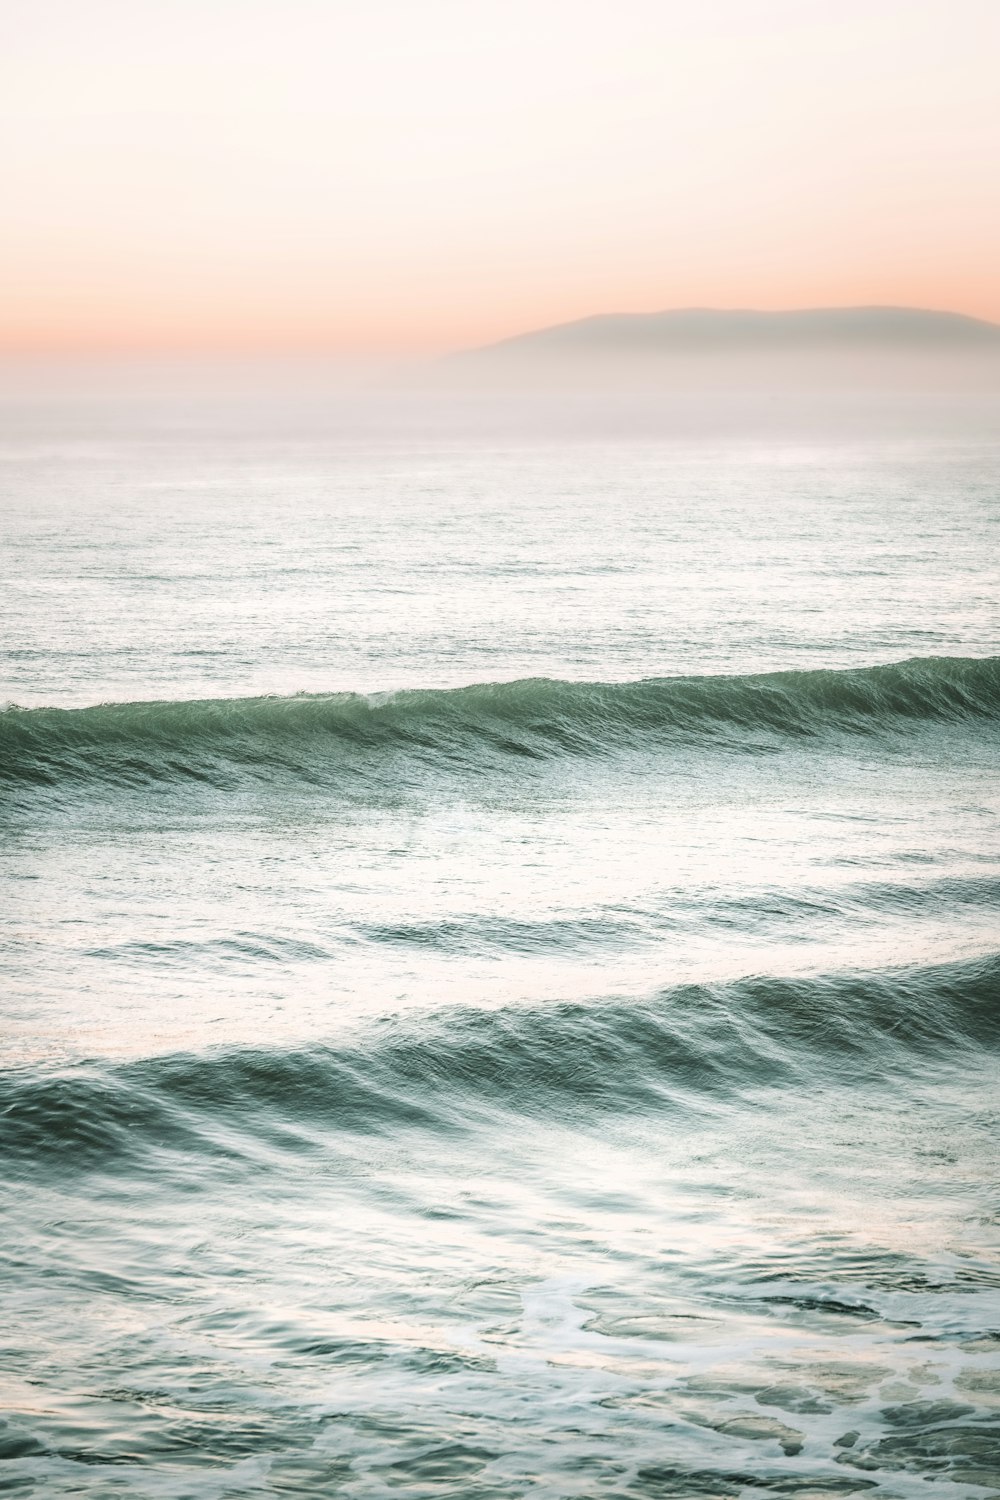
(501,965)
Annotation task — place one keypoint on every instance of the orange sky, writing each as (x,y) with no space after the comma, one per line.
(424,174)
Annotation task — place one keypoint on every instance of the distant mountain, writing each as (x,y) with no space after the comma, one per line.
(688,331)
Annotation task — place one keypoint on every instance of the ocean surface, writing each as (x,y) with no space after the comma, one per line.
(500,957)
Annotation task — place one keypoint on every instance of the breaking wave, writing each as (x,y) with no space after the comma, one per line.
(329,738)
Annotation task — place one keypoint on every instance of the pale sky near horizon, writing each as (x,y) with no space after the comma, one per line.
(426,174)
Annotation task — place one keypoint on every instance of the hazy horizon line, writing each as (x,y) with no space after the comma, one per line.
(328,346)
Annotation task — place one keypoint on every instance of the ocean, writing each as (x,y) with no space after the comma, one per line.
(500,958)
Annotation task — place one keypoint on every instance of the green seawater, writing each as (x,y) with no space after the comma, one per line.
(501,990)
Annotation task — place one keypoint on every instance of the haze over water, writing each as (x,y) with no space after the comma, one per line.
(499,948)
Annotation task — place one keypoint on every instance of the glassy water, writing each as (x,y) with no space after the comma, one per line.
(499,946)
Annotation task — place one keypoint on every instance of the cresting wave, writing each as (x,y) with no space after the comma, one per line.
(324,738)
(687,1050)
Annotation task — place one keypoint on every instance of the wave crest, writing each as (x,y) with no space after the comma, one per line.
(693,1049)
(330,738)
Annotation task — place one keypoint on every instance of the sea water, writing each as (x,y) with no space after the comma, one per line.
(500,958)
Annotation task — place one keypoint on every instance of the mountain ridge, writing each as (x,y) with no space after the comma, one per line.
(732,330)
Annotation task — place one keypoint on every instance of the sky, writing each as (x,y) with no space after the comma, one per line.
(419,175)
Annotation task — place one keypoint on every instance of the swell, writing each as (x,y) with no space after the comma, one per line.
(331,738)
(774,911)
(686,1050)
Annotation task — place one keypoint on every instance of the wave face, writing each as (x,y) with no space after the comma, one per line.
(690,1050)
(329,736)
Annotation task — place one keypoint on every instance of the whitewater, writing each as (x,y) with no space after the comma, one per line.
(501,989)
